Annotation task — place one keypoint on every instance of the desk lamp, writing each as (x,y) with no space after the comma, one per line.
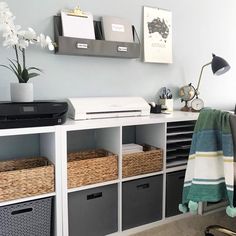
(219,66)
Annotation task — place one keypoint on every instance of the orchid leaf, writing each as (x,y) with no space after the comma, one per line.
(17,69)
(19,66)
(34,68)
(6,67)
(32,75)
(17,75)
(14,65)
(10,68)
(25,75)
(15,72)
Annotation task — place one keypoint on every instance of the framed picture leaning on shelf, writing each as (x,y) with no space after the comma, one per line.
(157,35)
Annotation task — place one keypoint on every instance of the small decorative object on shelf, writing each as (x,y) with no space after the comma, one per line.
(197,104)
(19,40)
(187,93)
(166,99)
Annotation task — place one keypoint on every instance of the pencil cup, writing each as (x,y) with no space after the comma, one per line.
(168,103)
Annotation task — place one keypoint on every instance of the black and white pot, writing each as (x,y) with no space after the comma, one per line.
(22,92)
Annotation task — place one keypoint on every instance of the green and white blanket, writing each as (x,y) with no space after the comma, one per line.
(210,170)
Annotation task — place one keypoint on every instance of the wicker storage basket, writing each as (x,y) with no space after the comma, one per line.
(151,160)
(89,167)
(25,178)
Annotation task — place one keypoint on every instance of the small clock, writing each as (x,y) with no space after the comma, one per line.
(197,104)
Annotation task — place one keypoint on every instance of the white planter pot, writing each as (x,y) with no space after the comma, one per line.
(22,92)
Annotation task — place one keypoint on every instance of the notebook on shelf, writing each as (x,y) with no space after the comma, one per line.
(117,29)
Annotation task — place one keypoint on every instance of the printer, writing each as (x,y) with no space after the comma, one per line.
(107,107)
(32,114)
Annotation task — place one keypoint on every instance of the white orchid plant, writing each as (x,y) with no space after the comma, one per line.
(18,39)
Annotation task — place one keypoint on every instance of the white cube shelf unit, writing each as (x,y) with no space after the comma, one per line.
(109,134)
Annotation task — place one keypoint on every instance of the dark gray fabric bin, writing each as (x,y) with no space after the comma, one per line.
(174,188)
(142,201)
(31,218)
(93,212)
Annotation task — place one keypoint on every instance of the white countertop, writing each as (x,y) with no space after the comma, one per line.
(128,121)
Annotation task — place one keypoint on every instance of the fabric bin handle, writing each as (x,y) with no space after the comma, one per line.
(94,195)
(22,211)
(142,186)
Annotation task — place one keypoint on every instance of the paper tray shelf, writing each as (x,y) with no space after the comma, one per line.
(90,47)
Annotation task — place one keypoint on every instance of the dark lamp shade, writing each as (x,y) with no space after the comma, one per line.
(219,65)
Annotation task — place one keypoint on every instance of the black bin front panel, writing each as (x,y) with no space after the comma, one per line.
(141,201)
(93,212)
(174,188)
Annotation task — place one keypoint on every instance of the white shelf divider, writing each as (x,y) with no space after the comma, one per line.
(142,176)
(90,186)
(50,148)
(63,151)
(120,183)
(164,174)
(15,201)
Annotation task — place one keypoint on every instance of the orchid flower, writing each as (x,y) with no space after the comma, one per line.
(19,40)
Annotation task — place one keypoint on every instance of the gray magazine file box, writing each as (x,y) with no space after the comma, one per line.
(93,212)
(142,201)
(31,218)
(98,47)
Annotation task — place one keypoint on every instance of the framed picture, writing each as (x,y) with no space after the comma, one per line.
(157,35)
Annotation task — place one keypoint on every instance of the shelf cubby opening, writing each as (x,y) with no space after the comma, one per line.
(142,149)
(92,156)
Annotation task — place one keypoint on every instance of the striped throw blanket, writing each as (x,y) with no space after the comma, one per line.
(210,170)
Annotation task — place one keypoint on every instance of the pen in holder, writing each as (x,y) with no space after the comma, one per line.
(166,99)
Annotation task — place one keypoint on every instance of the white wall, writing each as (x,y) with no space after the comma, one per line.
(200,27)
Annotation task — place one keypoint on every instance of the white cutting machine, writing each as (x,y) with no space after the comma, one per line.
(107,107)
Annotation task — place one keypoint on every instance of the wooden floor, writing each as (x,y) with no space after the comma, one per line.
(192,226)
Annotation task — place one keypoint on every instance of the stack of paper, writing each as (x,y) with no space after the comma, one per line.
(78,26)
(131,148)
